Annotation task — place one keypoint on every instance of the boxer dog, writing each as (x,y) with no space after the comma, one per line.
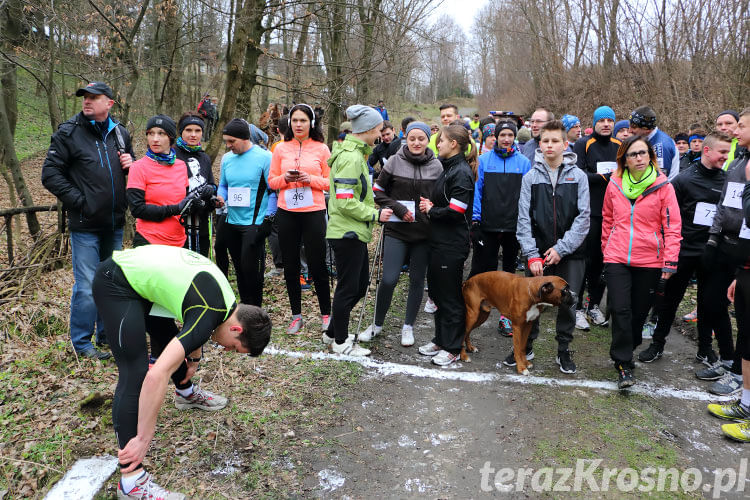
(520,299)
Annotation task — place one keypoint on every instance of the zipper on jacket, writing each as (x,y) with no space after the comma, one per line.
(630,243)
(111,178)
(657,245)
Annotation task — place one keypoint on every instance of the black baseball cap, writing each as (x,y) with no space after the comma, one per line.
(96,88)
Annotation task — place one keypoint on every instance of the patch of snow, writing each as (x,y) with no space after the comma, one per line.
(330,480)
(84,479)
(405,441)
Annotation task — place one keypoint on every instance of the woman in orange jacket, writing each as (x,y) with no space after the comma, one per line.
(641,233)
(299,171)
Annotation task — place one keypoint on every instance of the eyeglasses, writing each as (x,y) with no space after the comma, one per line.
(636,154)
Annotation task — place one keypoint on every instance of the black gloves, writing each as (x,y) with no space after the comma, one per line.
(711,253)
(264,230)
(476,235)
(189,204)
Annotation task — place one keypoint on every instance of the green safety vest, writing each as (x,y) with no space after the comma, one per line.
(163,274)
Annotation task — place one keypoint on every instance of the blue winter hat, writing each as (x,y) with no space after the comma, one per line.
(619,126)
(570,121)
(418,126)
(604,112)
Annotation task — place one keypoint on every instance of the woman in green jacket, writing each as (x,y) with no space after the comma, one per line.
(351,216)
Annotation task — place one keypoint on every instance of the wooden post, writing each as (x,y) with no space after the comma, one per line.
(9,230)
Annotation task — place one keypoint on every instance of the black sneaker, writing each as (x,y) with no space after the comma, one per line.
(511,360)
(625,377)
(565,361)
(707,358)
(650,354)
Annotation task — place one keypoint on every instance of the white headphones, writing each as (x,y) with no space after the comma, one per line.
(312,123)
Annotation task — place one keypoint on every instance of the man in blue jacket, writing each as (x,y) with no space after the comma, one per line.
(495,213)
(85,168)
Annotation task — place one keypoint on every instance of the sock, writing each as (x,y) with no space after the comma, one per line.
(737,376)
(185,393)
(127,483)
(745,401)
(407,328)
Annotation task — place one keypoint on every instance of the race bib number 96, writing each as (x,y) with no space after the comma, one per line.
(238,197)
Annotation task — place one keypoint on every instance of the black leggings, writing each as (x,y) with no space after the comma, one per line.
(396,253)
(484,258)
(249,261)
(353,277)
(630,292)
(125,313)
(310,228)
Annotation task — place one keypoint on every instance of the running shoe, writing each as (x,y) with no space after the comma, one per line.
(505,327)
(581,323)
(444,358)
(295,326)
(200,399)
(430,307)
(565,361)
(510,360)
(146,489)
(652,353)
(596,316)
(430,349)
(349,348)
(727,385)
(648,330)
(739,432)
(407,336)
(625,377)
(732,411)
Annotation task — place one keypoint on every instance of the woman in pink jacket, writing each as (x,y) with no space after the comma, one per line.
(299,171)
(640,241)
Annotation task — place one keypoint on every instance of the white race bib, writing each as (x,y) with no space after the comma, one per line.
(733,195)
(301,197)
(704,214)
(408,204)
(606,167)
(238,197)
(745,231)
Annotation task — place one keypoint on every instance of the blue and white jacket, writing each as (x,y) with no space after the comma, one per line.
(497,190)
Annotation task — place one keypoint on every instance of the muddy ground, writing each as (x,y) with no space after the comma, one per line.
(411,437)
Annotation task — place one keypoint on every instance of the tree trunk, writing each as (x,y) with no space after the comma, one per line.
(55,117)
(10,26)
(172,91)
(299,57)
(247,34)
(264,99)
(367,18)
(11,161)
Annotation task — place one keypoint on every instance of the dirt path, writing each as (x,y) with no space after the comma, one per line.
(407,436)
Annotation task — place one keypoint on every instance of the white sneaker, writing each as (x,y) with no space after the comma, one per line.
(146,488)
(372,331)
(581,323)
(444,358)
(429,349)
(429,306)
(407,336)
(276,271)
(349,348)
(295,326)
(329,340)
(597,316)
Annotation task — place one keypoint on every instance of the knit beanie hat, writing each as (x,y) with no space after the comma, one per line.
(163,122)
(603,112)
(505,126)
(682,136)
(191,120)
(418,126)
(524,135)
(363,118)
(571,121)
(488,130)
(729,112)
(237,128)
(619,126)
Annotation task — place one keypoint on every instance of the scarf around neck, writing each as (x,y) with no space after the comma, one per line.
(426,156)
(633,189)
(166,158)
(505,152)
(180,143)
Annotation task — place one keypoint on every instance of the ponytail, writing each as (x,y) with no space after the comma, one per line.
(458,133)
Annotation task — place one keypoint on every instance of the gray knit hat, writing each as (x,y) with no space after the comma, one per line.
(363,118)
(418,126)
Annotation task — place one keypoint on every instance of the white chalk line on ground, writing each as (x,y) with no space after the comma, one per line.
(84,479)
(387,368)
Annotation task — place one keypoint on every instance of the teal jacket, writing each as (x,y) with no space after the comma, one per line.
(351,206)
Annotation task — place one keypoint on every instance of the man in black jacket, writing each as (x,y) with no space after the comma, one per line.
(388,147)
(85,168)
(697,189)
(597,157)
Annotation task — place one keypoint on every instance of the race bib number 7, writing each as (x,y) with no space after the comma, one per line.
(704,214)
(238,197)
